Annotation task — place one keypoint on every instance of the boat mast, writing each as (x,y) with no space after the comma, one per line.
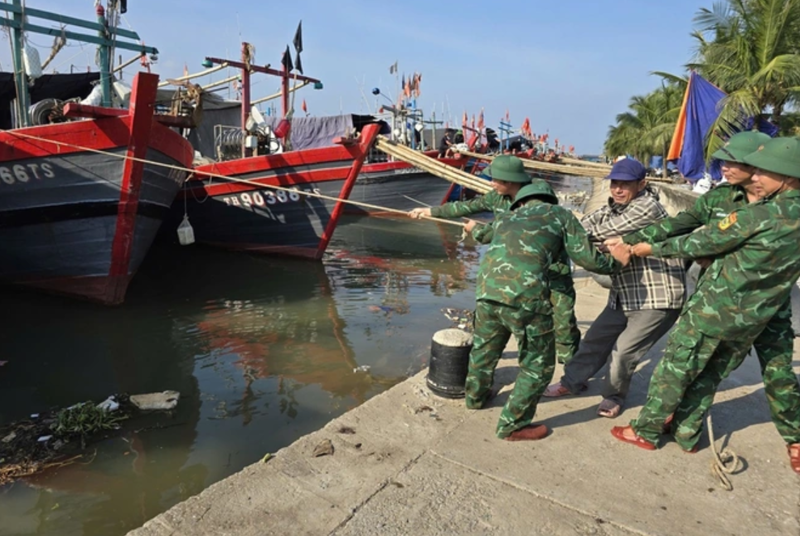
(23,98)
(105,67)
(247,69)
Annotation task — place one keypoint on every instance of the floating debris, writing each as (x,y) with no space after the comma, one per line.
(346,430)
(58,437)
(325,448)
(462,318)
(164,400)
(362,368)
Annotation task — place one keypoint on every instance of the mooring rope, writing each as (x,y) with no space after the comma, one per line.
(225,177)
(725,462)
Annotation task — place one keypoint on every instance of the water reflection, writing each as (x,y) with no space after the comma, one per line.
(263,350)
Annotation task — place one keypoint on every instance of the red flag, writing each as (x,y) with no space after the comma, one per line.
(185,70)
(572,148)
(304,107)
(480,120)
(472,124)
(465,119)
(508,117)
(526,127)
(556,142)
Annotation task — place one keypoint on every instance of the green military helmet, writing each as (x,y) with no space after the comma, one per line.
(537,188)
(740,145)
(509,169)
(778,155)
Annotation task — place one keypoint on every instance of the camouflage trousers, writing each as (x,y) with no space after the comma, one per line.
(568,336)
(494,325)
(774,347)
(687,377)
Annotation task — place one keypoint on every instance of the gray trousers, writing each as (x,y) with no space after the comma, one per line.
(624,335)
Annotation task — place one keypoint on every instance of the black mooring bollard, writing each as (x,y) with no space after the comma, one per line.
(447,370)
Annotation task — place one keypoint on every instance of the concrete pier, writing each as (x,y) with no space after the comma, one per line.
(409,462)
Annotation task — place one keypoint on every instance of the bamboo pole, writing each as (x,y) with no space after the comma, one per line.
(578,162)
(221,82)
(276,95)
(431,165)
(546,166)
(195,75)
(125,64)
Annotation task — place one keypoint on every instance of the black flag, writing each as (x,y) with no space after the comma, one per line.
(297,64)
(298,38)
(287,60)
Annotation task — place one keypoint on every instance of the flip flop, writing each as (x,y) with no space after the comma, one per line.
(608,408)
(556,390)
(619,433)
(794,456)
(532,432)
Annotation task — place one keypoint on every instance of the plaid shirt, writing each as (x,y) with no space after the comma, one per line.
(646,283)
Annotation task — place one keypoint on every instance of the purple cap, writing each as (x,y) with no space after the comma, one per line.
(627,169)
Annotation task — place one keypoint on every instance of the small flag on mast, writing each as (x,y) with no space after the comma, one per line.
(304,107)
(298,38)
(286,61)
(393,68)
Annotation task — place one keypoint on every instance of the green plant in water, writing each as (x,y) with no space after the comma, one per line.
(85,419)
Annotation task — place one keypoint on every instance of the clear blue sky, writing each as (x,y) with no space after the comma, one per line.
(570,65)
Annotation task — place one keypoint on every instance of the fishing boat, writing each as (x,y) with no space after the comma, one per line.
(81,200)
(258,204)
(278,184)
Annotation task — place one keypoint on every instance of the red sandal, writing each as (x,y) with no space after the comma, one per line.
(794,456)
(619,433)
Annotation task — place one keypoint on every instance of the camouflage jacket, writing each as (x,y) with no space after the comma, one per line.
(489,202)
(711,206)
(758,263)
(524,244)
(498,204)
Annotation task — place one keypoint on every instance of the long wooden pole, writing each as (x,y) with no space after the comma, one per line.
(431,165)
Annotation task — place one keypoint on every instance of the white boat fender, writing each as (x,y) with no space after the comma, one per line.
(31,62)
(185,232)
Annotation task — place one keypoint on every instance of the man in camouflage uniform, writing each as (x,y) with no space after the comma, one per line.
(757,263)
(774,346)
(513,298)
(562,294)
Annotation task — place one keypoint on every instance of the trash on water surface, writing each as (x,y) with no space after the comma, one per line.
(109,404)
(164,400)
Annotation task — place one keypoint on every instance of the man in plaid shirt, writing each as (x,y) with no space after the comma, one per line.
(645,298)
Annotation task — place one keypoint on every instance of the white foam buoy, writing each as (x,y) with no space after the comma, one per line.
(185,232)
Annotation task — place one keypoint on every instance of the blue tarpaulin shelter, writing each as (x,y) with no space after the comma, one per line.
(701,107)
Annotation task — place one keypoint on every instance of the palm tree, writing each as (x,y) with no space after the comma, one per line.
(749,49)
(646,128)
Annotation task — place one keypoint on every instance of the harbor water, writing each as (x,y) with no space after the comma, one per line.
(262,350)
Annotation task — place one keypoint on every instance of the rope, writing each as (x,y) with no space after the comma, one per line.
(225,177)
(725,463)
